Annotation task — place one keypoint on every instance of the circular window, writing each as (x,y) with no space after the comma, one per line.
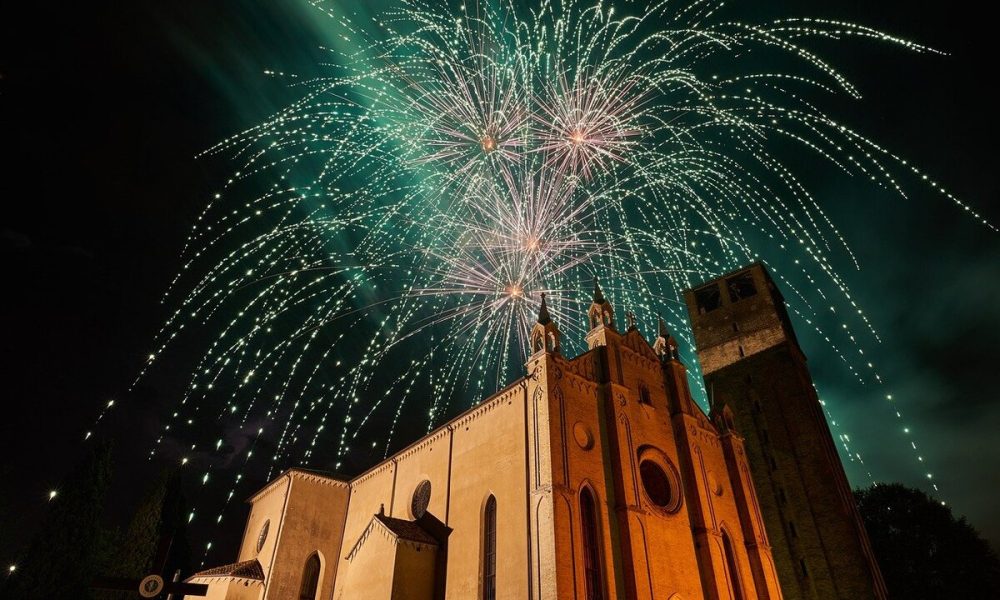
(660,488)
(421,499)
(263,534)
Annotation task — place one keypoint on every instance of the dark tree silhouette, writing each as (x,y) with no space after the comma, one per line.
(160,515)
(923,550)
(70,541)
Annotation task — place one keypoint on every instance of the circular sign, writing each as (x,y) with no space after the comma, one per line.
(150,586)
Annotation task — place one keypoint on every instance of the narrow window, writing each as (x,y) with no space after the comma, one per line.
(734,573)
(791,529)
(742,353)
(310,578)
(644,394)
(591,547)
(490,549)
(805,569)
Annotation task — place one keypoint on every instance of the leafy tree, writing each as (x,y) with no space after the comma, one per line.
(63,555)
(923,550)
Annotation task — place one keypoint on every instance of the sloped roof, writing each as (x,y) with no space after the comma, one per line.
(400,529)
(407,530)
(248,569)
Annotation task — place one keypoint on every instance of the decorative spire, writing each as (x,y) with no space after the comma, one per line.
(543,313)
(665,346)
(598,294)
(545,334)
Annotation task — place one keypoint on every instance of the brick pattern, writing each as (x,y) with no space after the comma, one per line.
(755,370)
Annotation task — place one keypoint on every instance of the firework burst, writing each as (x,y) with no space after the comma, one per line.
(377,259)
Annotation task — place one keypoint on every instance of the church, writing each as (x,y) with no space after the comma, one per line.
(594,478)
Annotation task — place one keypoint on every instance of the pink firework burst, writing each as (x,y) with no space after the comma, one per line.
(583,125)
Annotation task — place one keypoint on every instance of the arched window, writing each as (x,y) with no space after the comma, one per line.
(591,546)
(310,578)
(490,549)
(734,572)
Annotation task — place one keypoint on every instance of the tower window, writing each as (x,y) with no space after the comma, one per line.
(310,578)
(742,353)
(591,547)
(792,531)
(741,287)
(708,298)
(490,549)
(805,569)
(644,394)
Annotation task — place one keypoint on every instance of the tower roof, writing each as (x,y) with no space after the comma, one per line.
(598,294)
(543,313)
(662,328)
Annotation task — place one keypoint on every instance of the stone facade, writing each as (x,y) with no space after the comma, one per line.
(755,371)
(594,477)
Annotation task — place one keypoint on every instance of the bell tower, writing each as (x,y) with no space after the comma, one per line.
(756,377)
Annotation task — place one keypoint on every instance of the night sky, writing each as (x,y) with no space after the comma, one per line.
(103,107)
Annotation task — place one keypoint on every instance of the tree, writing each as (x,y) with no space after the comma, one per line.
(159,517)
(62,556)
(923,550)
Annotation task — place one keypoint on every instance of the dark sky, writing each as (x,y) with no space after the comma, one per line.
(104,105)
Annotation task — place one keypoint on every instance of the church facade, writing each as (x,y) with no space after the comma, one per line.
(592,478)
